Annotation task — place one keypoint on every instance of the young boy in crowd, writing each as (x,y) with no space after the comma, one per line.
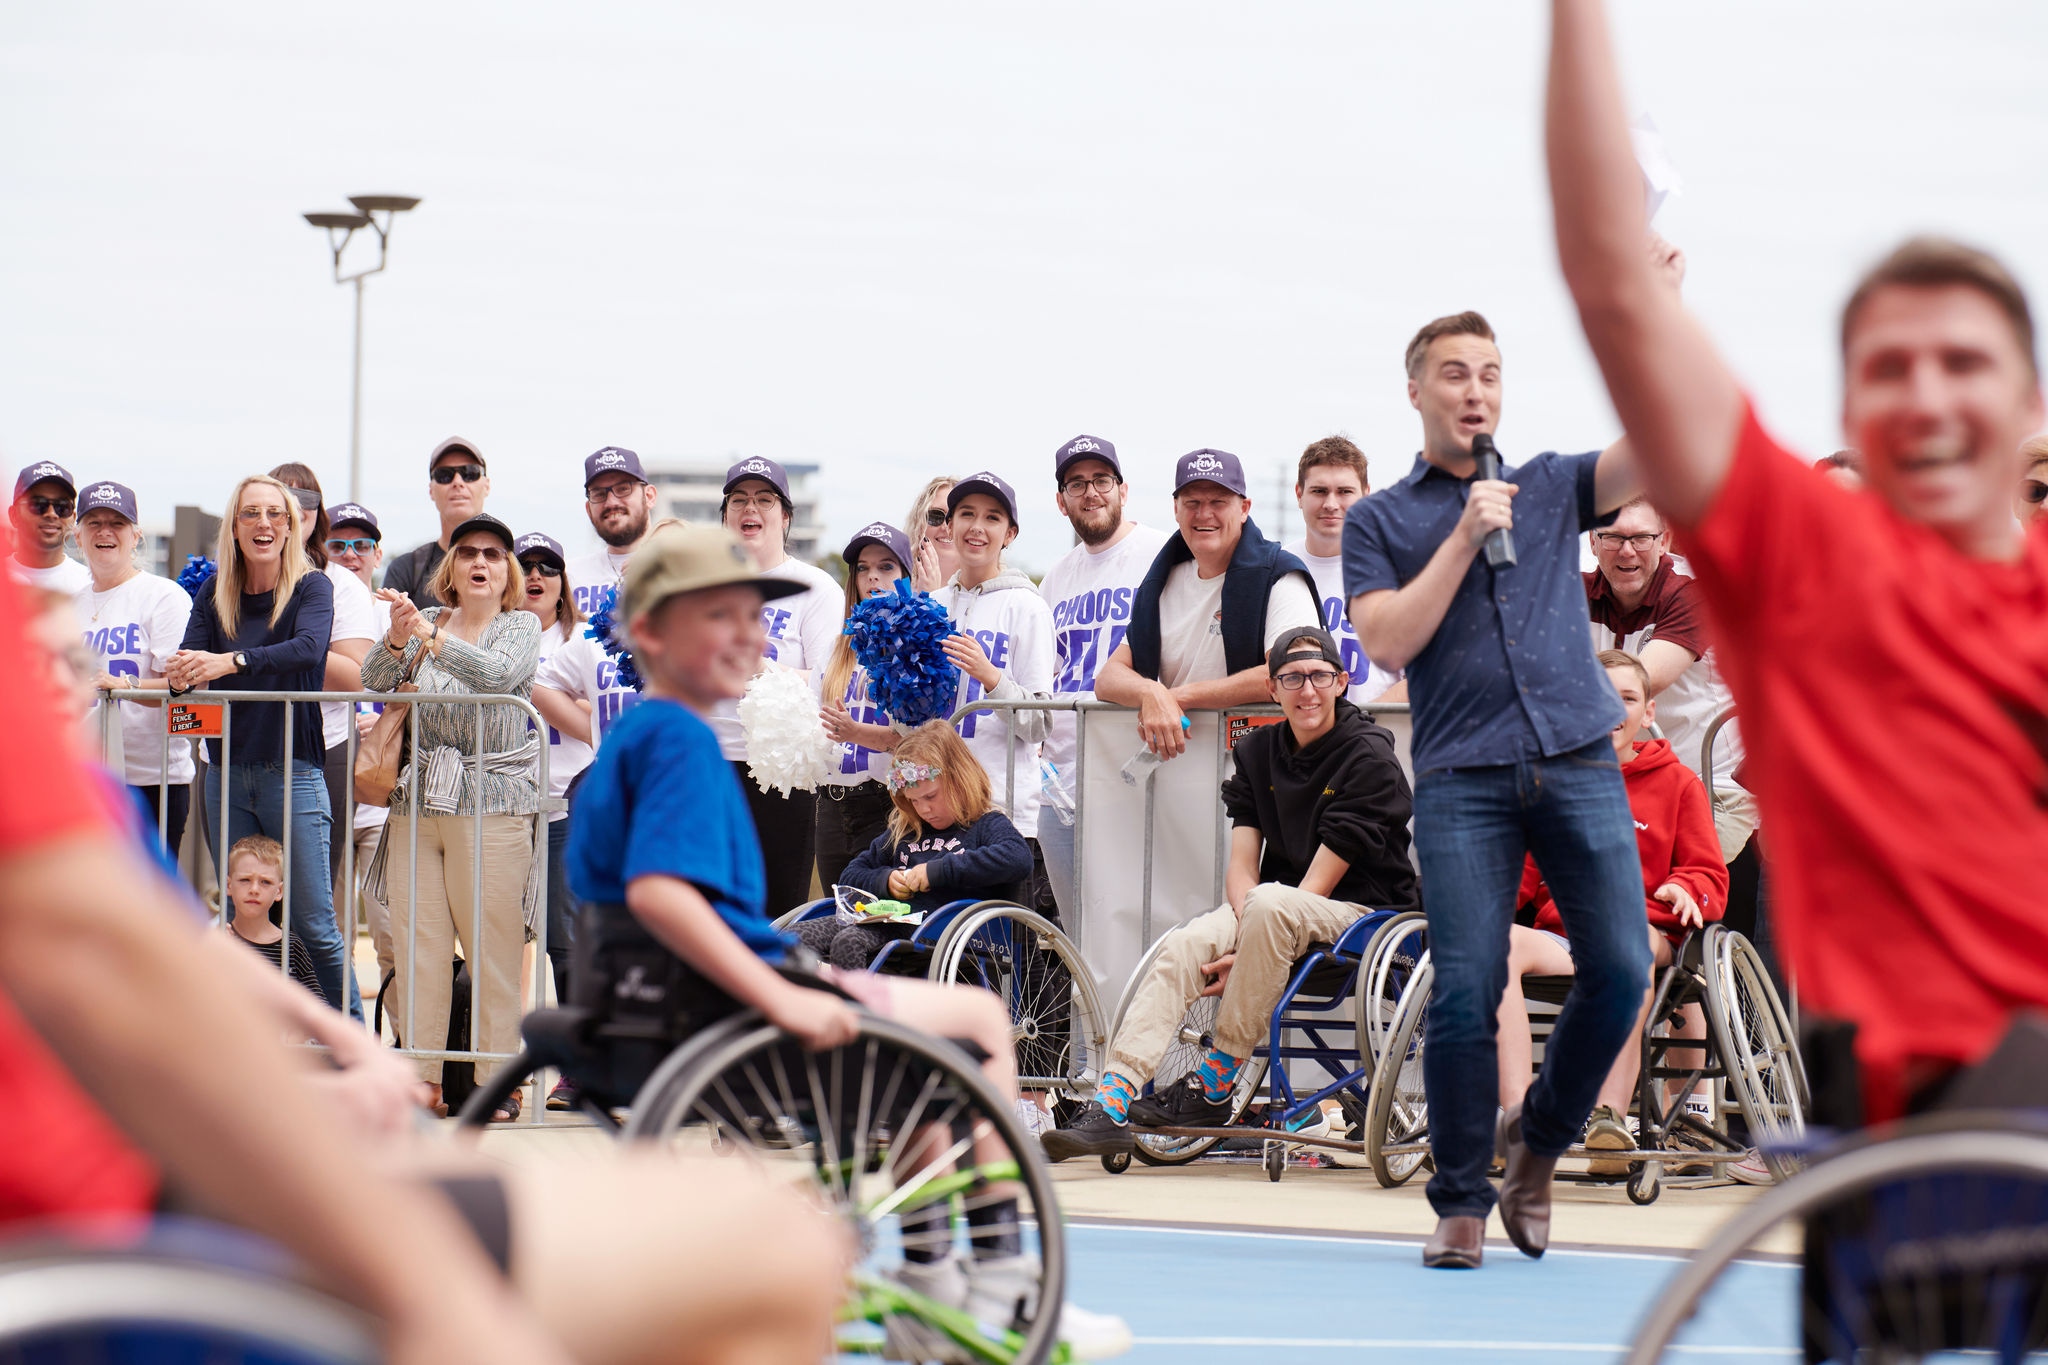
(255,883)
(1686,884)
(661,827)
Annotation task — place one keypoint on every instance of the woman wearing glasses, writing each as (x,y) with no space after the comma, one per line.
(262,625)
(481,643)
(354,631)
(933,560)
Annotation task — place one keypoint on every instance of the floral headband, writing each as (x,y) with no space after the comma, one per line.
(904,774)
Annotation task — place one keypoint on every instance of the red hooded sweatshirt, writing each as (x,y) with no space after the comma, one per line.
(1674,834)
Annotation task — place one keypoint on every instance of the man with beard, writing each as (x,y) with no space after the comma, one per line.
(620,503)
(458,482)
(1090,591)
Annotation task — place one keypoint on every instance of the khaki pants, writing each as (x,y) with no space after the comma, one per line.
(445,915)
(375,914)
(1278,925)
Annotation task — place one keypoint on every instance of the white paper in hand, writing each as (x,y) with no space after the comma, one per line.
(1660,178)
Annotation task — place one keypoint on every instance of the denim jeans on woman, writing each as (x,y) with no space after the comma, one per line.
(256,806)
(1472,826)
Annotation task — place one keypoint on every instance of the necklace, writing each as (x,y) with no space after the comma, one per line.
(99,600)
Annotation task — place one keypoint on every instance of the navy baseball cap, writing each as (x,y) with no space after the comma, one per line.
(883,534)
(534,543)
(353,514)
(611,460)
(1209,466)
(484,521)
(109,497)
(1287,649)
(988,483)
(1084,448)
(40,470)
(767,471)
(455,445)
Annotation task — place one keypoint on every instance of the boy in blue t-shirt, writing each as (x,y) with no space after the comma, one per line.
(660,826)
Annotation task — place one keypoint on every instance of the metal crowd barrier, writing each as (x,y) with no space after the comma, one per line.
(344,821)
(1083,708)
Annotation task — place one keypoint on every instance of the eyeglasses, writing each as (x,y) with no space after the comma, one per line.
(489,554)
(1104,484)
(759,502)
(541,567)
(1640,541)
(1323,679)
(42,506)
(447,473)
(250,516)
(362,545)
(621,491)
(935,516)
(2034,491)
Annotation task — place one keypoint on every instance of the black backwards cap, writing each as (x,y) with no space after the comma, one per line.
(1285,649)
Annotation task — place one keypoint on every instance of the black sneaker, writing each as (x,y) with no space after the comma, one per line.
(1181,1106)
(563,1096)
(1094,1133)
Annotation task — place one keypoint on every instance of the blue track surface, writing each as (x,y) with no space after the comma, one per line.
(1201,1296)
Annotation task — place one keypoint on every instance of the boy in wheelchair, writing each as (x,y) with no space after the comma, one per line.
(661,841)
(1681,863)
(1319,810)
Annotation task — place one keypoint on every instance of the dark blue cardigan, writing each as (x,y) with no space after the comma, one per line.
(1255,566)
(290,656)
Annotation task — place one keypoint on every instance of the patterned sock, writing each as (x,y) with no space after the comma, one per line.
(1218,1074)
(1114,1092)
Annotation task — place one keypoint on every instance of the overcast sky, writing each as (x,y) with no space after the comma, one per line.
(898,240)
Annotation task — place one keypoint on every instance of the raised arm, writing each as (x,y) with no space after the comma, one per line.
(1676,399)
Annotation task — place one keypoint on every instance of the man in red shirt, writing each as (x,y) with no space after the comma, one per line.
(1906,856)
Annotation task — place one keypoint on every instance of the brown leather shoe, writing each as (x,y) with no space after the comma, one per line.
(1457,1244)
(1525,1189)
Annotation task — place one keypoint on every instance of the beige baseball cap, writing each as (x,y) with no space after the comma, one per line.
(680,559)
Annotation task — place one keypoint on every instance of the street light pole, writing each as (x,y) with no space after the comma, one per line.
(340,228)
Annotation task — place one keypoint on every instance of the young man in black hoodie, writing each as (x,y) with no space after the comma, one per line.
(1319,833)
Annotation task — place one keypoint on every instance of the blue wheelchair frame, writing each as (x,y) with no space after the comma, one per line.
(924,937)
(1346,1061)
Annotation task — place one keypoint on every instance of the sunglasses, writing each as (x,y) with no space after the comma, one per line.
(42,506)
(447,473)
(541,567)
(935,516)
(489,554)
(361,546)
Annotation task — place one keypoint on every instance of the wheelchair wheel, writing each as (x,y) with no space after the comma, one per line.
(901,1137)
(484,1100)
(1758,1051)
(1383,969)
(1397,1110)
(1920,1239)
(1037,972)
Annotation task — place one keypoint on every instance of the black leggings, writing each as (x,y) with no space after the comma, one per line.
(787,829)
(180,802)
(849,819)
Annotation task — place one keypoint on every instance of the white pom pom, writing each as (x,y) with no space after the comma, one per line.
(787,748)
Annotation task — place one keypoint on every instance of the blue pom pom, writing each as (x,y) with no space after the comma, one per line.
(600,630)
(196,574)
(900,640)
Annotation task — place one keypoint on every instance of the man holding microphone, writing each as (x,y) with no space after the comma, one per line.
(1467,575)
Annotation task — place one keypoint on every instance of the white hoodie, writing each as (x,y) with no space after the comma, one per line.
(1014,626)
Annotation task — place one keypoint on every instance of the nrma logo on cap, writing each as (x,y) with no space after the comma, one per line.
(983,477)
(875,529)
(1205,464)
(756,466)
(46,470)
(608,457)
(106,492)
(1085,443)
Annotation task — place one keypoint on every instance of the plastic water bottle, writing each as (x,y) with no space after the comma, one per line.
(1144,761)
(1058,793)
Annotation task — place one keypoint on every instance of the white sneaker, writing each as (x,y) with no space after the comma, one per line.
(1000,1289)
(1751,1170)
(1036,1120)
(944,1283)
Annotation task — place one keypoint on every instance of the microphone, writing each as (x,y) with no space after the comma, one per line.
(1500,545)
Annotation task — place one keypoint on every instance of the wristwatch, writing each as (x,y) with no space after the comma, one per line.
(241,662)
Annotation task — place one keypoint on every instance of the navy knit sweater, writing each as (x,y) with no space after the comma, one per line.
(982,861)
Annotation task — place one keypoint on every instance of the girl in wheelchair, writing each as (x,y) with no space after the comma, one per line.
(662,830)
(1687,886)
(946,841)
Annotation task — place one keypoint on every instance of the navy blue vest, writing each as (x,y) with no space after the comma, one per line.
(1255,566)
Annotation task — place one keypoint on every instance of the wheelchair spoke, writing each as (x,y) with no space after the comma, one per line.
(826,1118)
(940,1165)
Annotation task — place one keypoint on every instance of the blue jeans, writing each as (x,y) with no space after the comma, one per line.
(256,806)
(1056,842)
(1472,826)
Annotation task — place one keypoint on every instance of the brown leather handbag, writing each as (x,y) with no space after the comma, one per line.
(381,753)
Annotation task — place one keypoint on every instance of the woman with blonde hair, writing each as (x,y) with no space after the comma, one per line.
(932,558)
(262,625)
(2032,498)
(485,643)
(853,804)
